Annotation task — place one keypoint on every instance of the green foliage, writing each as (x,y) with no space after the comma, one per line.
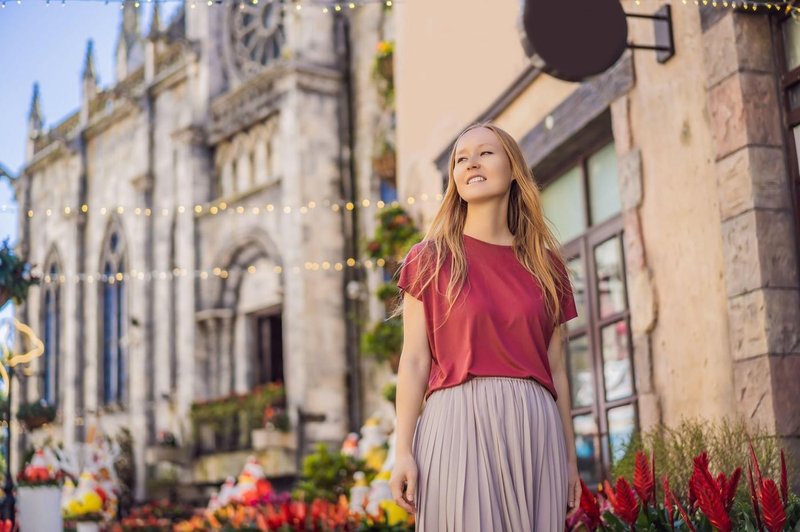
(36,414)
(389,392)
(384,340)
(726,442)
(383,72)
(220,414)
(387,292)
(326,475)
(15,276)
(394,235)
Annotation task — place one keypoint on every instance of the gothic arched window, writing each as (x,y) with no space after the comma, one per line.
(113,375)
(51,325)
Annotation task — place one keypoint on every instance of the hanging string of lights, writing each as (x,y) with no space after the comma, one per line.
(325,6)
(218,208)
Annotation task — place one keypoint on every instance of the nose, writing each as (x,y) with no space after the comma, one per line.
(471,163)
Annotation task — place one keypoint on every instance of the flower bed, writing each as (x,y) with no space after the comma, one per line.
(711,502)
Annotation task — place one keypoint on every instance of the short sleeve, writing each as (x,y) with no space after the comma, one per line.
(566,297)
(408,281)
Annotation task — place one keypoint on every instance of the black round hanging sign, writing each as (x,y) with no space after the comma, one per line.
(577,39)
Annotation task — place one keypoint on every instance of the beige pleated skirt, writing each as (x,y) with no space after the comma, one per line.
(491,456)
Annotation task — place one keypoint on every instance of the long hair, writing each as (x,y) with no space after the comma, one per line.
(533,240)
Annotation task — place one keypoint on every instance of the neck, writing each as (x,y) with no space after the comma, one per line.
(488,221)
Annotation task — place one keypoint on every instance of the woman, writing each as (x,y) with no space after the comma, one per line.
(493,448)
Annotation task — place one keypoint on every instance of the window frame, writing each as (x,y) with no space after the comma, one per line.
(51,358)
(270,313)
(787,79)
(583,246)
(116,260)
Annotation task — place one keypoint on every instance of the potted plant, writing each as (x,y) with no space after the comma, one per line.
(384,341)
(383,71)
(34,415)
(393,237)
(39,494)
(389,392)
(276,431)
(384,164)
(15,276)
(215,422)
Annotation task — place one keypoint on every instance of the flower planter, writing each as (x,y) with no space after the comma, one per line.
(39,508)
(270,438)
(87,526)
(384,165)
(163,453)
(33,423)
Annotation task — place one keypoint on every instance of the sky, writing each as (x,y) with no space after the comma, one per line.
(47,44)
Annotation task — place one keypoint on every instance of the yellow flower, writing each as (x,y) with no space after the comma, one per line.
(394,512)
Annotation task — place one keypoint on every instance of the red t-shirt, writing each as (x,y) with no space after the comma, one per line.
(497,326)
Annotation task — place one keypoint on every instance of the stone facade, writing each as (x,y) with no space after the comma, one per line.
(707,220)
(220,172)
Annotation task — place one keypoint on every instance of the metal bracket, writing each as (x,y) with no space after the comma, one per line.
(662,30)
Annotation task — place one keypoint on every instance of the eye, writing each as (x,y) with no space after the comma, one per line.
(460,158)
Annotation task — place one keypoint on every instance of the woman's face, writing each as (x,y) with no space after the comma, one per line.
(482,170)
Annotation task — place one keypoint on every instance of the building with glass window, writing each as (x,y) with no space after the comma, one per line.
(672,186)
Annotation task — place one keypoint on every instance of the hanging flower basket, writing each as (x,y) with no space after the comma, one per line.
(34,415)
(15,276)
(384,165)
(383,72)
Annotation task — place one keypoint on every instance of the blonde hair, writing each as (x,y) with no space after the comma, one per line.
(533,240)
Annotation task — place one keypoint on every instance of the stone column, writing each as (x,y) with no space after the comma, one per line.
(641,288)
(757,224)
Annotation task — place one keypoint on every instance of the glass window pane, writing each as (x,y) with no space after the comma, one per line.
(604,201)
(796,134)
(621,424)
(617,370)
(578,279)
(581,373)
(587,448)
(563,207)
(791,43)
(608,273)
(794,96)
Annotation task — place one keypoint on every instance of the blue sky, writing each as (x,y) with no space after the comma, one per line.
(47,43)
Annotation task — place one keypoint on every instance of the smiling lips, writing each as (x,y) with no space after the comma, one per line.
(475,179)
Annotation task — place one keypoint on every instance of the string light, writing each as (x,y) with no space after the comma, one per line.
(222,207)
(299,6)
(217,271)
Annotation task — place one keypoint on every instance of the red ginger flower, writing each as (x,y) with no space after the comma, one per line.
(774,514)
(670,499)
(644,479)
(754,498)
(590,508)
(784,482)
(727,487)
(624,501)
(765,492)
(709,494)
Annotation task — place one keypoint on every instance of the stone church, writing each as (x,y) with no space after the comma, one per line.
(198,226)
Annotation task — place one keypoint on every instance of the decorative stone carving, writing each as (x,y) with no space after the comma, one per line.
(257,36)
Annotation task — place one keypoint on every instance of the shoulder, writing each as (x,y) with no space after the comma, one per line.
(424,247)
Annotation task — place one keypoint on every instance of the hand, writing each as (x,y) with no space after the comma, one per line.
(404,472)
(574,491)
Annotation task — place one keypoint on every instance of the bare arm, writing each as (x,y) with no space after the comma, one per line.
(412,381)
(557,358)
(412,375)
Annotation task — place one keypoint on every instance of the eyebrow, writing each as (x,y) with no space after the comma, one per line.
(483,144)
